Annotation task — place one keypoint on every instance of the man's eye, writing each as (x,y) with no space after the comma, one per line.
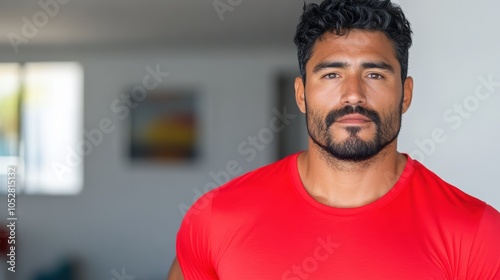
(331,76)
(375,76)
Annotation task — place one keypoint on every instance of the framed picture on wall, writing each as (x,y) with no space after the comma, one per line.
(165,127)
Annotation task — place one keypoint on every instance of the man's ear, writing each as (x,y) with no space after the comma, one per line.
(299,94)
(408,93)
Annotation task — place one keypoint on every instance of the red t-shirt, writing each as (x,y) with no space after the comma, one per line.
(264,225)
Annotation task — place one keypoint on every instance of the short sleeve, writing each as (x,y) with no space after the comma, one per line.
(193,241)
(484,260)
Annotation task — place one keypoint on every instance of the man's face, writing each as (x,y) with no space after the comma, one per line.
(353,97)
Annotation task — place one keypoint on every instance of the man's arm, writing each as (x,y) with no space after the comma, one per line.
(484,259)
(175,271)
(194,241)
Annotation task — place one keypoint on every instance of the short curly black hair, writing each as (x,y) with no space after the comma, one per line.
(341,16)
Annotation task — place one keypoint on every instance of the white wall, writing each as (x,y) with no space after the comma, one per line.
(127,216)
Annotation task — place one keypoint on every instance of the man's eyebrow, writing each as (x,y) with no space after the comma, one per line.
(380,65)
(365,65)
(329,64)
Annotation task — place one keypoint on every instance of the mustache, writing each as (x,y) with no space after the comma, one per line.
(333,116)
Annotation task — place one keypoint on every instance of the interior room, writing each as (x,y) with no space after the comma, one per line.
(117,115)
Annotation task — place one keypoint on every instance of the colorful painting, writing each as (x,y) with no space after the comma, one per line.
(165,127)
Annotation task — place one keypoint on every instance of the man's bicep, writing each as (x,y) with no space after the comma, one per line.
(194,241)
(175,271)
(484,262)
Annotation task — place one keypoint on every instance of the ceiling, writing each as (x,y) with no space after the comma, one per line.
(132,22)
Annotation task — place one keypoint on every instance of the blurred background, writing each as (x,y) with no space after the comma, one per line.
(118,114)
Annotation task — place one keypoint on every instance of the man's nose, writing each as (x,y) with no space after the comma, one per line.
(353,91)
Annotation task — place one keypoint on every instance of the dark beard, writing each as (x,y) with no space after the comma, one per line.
(354,149)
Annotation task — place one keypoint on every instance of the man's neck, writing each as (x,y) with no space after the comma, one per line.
(344,184)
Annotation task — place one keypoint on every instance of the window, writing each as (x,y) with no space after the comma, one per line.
(41,109)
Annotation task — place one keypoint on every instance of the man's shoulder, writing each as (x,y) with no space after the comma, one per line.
(260,179)
(443,197)
(247,195)
(455,222)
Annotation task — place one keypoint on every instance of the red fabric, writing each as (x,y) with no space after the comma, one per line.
(4,246)
(264,225)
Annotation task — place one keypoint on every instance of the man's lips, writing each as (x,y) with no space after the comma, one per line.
(354,119)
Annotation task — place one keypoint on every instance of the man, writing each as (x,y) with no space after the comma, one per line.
(351,206)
